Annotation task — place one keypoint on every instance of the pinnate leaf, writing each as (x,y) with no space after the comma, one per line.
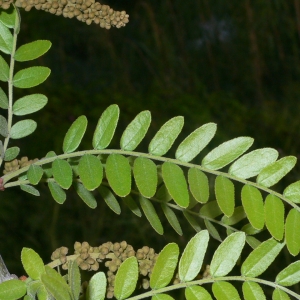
(12,289)
(62,173)
(85,195)
(110,199)
(22,128)
(198,184)
(253,291)
(196,292)
(31,77)
(29,104)
(292,192)
(4,70)
(6,39)
(97,287)
(223,290)
(58,194)
(292,237)
(32,50)
(32,263)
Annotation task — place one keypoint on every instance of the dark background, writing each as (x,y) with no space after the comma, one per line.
(236,63)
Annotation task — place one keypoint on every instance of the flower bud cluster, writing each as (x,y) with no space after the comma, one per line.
(17,164)
(5,4)
(61,254)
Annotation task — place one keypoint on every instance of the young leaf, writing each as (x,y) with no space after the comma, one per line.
(128,200)
(253,291)
(280,295)
(29,104)
(4,70)
(6,39)
(227,152)
(224,190)
(58,194)
(165,137)
(106,127)
(223,290)
(110,199)
(290,275)
(274,216)
(164,267)
(261,258)
(11,153)
(195,142)
(276,171)
(212,230)
(227,254)
(22,128)
(3,99)
(238,215)
(192,257)
(8,16)
(62,173)
(198,184)
(29,189)
(252,163)
(254,206)
(97,287)
(292,237)
(118,174)
(136,131)
(31,77)
(151,215)
(12,289)
(74,278)
(32,263)
(34,174)
(210,210)
(3,126)
(85,195)
(176,184)
(196,292)
(292,192)
(192,221)
(145,175)
(126,278)
(75,134)
(171,217)
(32,50)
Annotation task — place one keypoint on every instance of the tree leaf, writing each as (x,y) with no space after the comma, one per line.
(128,200)
(176,184)
(276,171)
(166,136)
(22,128)
(253,291)
(192,257)
(74,279)
(253,205)
(62,173)
(32,50)
(58,194)
(106,127)
(118,174)
(289,275)
(75,134)
(11,153)
(126,278)
(198,184)
(136,131)
(4,70)
(223,290)
(274,216)
(29,104)
(224,190)
(12,289)
(31,77)
(3,99)
(227,152)
(292,192)
(34,174)
(292,237)
(261,258)
(212,230)
(280,295)
(211,210)
(151,215)
(252,242)
(196,292)
(251,164)
(227,254)
(145,175)
(195,142)
(32,263)
(192,221)
(238,215)
(110,199)
(85,195)
(97,287)
(29,189)
(3,126)
(171,217)
(6,39)
(164,267)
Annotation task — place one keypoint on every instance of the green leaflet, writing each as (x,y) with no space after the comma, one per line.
(90,171)
(164,267)
(274,216)
(145,175)
(172,219)
(212,230)
(252,242)
(162,297)
(253,291)
(261,258)
(253,205)
(97,287)
(224,190)
(34,174)
(32,263)
(192,257)
(22,128)
(195,142)
(290,275)
(129,201)
(196,292)
(8,16)
(48,167)
(6,39)
(227,152)
(292,192)
(74,134)
(4,70)
(12,289)
(29,104)
(292,237)
(62,173)
(163,194)
(85,195)
(118,174)
(11,153)
(192,221)
(31,77)
(276,171)
(198,184)
(32,50)
(210,210)
(252,163)
(165,137)
(29,189)
(280,295)
(58,194)
(126,278)
(176,183)
(33,287)
(3,126)
(250,230)
(227,254)
(151,215)
(106,127)
(3,99)
(110,199)
(223,290)
(238,215)
(74,279)
(136,131)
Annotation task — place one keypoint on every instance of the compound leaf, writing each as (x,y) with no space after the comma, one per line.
(198,184)
(31,77)
(29,104)
(32,50)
